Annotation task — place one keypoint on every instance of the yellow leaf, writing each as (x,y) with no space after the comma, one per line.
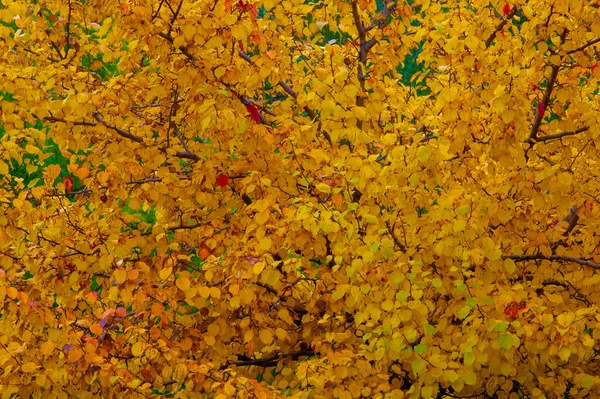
(183,283)
(29,367)
(423,153)
(284,315)
(209,339)
(258,267)
(40,380)
(564,353)
(120,276)
(215,292)
(510,265)
(587,341)
(459,225)
(494,255)
(265,244)
(450,375)
(371,219)
(324,188)
(271,277)
(469,377)
(165,273)
(282,334)
(266,337)
(339,293)
(137,349)
(204,291)
(47,347)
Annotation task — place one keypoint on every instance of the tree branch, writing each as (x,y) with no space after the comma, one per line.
(182,48)
(311,114)
(501,26)
(268,361)
(539,116)
(124,133)
(193,58)
(357,22)
(120,132)
(557,258)
(584,46)
(75,123)
(563,134)
(187,155)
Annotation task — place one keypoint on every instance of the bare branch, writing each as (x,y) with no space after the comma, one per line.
(539,116)
(268,361)
(75,123)
(550,162)
(501,26)
(120,132)
(187,155)
(584,46)
(288,89)
(357,22)
(563,134)
(557,258)
(245,57)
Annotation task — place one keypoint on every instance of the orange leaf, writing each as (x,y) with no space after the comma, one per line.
(74,355)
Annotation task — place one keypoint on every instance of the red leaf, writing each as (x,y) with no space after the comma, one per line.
(506,9)
(242,6)
(253,10)
(253,113)
(222,180)
(511,310)
(541,109)
(69,184)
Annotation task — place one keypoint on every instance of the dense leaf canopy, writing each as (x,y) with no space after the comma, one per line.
(299,198)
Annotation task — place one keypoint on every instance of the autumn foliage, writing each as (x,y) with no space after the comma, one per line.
(299,198)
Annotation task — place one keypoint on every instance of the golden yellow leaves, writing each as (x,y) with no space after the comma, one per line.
(74,355)
(47,348)
(3,168)
(266,337)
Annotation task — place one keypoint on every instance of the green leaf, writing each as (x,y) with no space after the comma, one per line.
(471,302)
(588,381)
(436,283)
(464,312)
(402,296)
(429,329)
(417,365)
(420,349)
(501,327)
(468,358)
(505,341)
